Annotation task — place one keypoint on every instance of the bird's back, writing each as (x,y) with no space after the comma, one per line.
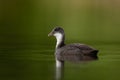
(76,51)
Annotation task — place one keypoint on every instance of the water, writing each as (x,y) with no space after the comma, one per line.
(39,64)
(26,53)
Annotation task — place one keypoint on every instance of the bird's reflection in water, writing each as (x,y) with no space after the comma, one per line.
(59,74)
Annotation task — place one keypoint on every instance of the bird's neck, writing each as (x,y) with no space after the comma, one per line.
(60,40)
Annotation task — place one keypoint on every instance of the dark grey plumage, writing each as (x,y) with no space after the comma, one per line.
(75,52)
(72,52)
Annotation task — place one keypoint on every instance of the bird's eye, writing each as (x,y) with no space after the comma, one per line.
(57,29)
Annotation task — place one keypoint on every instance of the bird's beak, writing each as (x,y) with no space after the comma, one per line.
(50,34)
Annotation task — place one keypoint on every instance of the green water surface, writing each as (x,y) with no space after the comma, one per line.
(26,52)
(39,64)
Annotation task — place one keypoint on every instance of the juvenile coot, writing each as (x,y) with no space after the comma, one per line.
(74,51)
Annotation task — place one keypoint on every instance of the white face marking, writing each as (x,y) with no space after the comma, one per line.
(59,38)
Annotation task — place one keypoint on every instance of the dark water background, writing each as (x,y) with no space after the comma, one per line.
(26,52)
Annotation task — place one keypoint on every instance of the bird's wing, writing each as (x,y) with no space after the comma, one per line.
(81,48)
(74,52)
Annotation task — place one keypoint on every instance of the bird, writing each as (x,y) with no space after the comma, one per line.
(73,51)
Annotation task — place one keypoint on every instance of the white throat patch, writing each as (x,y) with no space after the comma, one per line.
(59,38)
